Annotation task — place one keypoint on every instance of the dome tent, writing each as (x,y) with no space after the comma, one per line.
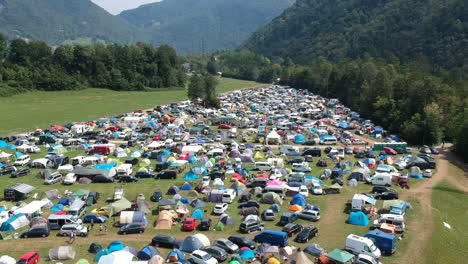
(197,214)
(298,199)
(147,253)
(358,218)
(190,244)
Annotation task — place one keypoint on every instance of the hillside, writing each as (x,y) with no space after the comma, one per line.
(204,25)
(58,21)
(338,29)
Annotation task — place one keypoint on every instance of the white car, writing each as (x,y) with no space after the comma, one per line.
(80,230)
(220,208)
(206,179)
(218,138)
(317,188)
(366,259)
(303,190)
(427,173)
(23,160)
(201,257)
(70,178)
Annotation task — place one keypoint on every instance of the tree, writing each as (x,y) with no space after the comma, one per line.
(432,124)
(3,48)
(196,87)
(210,84)
(18,53)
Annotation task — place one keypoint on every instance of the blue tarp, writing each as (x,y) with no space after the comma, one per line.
(3,144)
(178,253)
(299,199)
(358,218)
(166,152)
(190,176)
(299,139)
(64,201)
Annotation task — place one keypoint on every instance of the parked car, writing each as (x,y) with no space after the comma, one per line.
(311,215)
(306,234)
(220,208)
(39,231)
(316,188)
(205,224)
(287,218)
(128,178)
(227,245)
(29,258)
(20,173)
(348,150)
(268,215)
(69,179)
(251,203)
(167,174)
(216,252)
(434,150)
(137,228)
(165,242)
(102,179)
(251,226)
(224,126)
(389,151)
(242,241)
(425,149)
(294,160)
(53,178)
(387,196)
(7,170)
(92,198)
(190,224)
(201,257)
(427,173)
(144,174)
(95,218)
(292,229)
(80,230)
(380,189)
(157,196)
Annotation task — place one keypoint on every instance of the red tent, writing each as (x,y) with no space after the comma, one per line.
(57,127)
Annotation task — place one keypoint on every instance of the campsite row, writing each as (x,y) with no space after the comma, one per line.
(258,164)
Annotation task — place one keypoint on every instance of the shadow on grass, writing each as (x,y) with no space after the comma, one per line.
(448,189)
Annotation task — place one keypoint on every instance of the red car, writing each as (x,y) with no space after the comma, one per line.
(29,258)
(390,151)
(357,150)
(184,156)
(224,126)
(157,137)
(189,224)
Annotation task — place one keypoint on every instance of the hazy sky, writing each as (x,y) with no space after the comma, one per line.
(117,6)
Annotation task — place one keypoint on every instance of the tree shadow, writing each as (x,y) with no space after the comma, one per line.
(449,189)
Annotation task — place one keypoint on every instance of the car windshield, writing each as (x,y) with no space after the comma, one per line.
(373,248)
(189,222)
(22,261)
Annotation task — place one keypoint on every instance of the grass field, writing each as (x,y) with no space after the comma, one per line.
(25,112)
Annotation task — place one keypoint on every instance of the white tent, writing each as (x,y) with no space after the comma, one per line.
(32,207)
(4,155)
(155,145)
(203,239)
(40,163)
(7,260)
(273,136)
(117,257)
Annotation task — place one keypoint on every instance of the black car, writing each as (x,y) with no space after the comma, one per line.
(40,231)
(216,252)
(128,178)
(133,161)
(360,155)
(205,224)
(20,173)
(157,196)
(294,160)
(92,198)
(381,189)
(242,241)
(165,242)
(251,203)
(306,234)
(102,179)
(309,143)
(132,229)
(245,197)
(434,150)
(260,182)
(287,218)
(161,166)
(292,229)
(144,174)
(314,152)
(387,196)
(167,174)
(7,170)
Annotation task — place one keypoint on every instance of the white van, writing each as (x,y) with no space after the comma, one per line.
(397,220)
(329,140)
(124,169)
(383,179)
(362,245)
(316,188)
(57,221)
(288,150)
(264,166)
(341,153)
(229,195)
(233,132)
(23,160)
(77,208)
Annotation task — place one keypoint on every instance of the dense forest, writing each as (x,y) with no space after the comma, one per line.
(391,29)
(29,65)
(203,25)
(407,99)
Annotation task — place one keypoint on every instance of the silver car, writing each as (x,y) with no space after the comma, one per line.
(311,215)
(80,230)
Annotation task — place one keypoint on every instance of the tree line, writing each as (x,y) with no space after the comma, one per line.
(33,65)
(413,100)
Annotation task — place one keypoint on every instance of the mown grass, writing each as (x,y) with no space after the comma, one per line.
(451,206)
(24,112)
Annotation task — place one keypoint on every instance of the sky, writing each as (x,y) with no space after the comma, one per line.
(116,6)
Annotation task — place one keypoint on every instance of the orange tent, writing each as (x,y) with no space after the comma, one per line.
(295,208)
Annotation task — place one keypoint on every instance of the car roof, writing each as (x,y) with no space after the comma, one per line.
(28,255)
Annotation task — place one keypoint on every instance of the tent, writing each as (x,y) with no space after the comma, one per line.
(94,248)
(197,214)
(199,170)
(101,253)
(340,256)
(81,261)
(259,155)
(219,226)
(275,207)
(147,253)
(247,253)
(61,253)
(120,153)
(271,198)
(216,196)
(203,239)
(115,245)
(298,199)
(133,217)
(218,182)
(190,176)
(186,187)
(164,220)
(273,136)
(299,258)
(15,222)
(156,260)
(117,257)
(190,244)
(3,144)
(175,255)
(226,219)
(198,203)
(173,190)
(299,139)
(358,218)
(315,250)
(7,260)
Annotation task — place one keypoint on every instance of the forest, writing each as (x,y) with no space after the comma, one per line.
(33,65)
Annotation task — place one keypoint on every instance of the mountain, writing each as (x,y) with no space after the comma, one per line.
(339,29)
(193,26)
(58,21)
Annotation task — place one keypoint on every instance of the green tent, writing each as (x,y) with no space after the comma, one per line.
(6,235)
(60,150)
(82,261)
(117,206)
(219,226)
(340,256)
(237,258)
(145,163)
(80,193)
(271,198)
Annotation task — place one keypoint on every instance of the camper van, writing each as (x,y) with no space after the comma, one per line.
(77,208)
(229,195)
(397,220)
(383,179)
(362,245)
(328,140)
(57,221)
(23,160)
(233,132)
(264,166)
(289,151)
(124,169)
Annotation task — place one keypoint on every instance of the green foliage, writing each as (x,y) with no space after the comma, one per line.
(459,127)
(203,25)
(196,87)
(431,33)
(33,65)
(204,86)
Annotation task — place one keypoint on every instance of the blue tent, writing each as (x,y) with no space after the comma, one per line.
(18,154)
(343,125)
(115,245)
(247,253)
(299,139)
(190,176)
(314,179)
(176,252)
(358,218)
(116,135)
(299,199)
(1,165)
(199,170)
(336,173)
(147,253)
(190,244)
(186,187)
(185,200)
(416,175)
(3,144)
(64,201)
(11,147)
(166,152)
(275,207)
(197,214)
(102,252)
(161,158)
(173,190)
(198,204)
(11,223)
(192,160)
(107,167)
(56,208)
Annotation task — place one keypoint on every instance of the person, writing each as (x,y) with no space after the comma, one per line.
(92,223)
(443,144)
(105,228)
(72,237)
(101,228)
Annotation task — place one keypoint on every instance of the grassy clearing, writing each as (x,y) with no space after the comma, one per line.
(25,112)
(451,206)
